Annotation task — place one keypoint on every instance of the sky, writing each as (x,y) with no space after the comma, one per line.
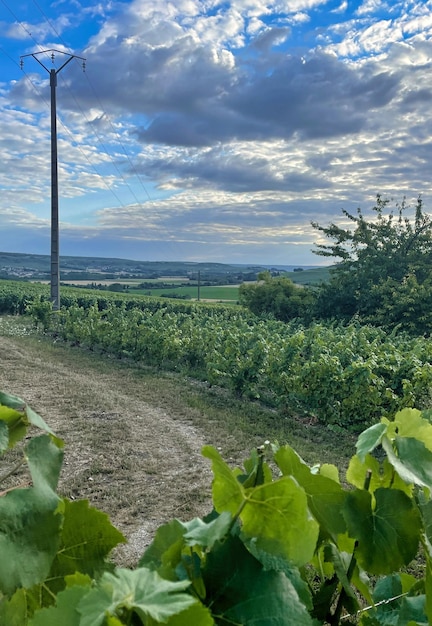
(216,131)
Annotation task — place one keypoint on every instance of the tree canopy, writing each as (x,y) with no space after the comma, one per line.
(383,269)
(382,273)
(278,297)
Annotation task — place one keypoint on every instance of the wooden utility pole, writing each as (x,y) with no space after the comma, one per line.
(55,255)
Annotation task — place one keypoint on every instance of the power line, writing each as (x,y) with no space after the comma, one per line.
(101,106)
(65,128)
(98,138)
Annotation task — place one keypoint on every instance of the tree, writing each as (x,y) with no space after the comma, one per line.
(277,296)
(375,259)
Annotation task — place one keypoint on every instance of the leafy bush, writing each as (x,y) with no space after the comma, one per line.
(278,297)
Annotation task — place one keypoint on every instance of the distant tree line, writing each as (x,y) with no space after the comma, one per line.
(382,273)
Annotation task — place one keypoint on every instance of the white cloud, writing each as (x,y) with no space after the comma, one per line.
(238,128)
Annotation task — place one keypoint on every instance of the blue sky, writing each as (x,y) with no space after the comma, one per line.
(211,131)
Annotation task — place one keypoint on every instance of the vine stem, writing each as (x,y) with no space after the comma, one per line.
(343,594)
(12,471)
(373,606)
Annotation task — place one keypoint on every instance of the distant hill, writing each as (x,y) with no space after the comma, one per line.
(37,266)
(312,276)
(31,265)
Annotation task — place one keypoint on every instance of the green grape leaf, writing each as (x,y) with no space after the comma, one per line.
(370,439)
(290,463)
(279,564)
(383,475)
(13,402)
(44,459)
(64,612)
(241,591)
(205,534)
(196,615)
(164,552)
(30,520)
(410,423)
(16,424)
(276,515)
(416,458)
(257,472)
(4,436)
(403,471)
(228,494)
(358,469)
(82,580)
(325,496)
(328,470)
(13,611)
(29,536)
(86,540)
(394,608)
(388,534)
(142,591)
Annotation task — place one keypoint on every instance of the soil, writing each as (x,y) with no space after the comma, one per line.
(131,457)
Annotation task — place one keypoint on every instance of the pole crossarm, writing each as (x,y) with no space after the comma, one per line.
(53,52)
(55,256)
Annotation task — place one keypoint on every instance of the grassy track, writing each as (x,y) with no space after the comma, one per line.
(133,434)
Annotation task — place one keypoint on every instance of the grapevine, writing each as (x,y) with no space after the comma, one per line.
(285,543)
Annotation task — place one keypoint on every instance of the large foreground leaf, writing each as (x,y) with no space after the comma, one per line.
(325,495)
(28,416)
(228,494)
(86,540)
(275,514)
(387,534)
(65,612)
(141,591)
(277,517)
(241,591)
(30,520)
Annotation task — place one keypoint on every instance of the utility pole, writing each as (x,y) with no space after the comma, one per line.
(55,256)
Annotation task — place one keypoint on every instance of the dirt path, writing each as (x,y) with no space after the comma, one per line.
(131,458)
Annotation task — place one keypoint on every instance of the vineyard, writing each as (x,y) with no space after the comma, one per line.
(286,543)
(344,376)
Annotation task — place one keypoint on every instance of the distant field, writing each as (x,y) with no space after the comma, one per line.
(126,281)
(310,277)
(226,293)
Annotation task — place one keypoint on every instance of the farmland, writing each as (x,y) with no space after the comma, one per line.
(136,385)
(168,287)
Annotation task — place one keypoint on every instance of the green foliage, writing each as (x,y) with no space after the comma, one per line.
(278,297)
(345,376)
(41,311)
(383,266)
(285,543)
